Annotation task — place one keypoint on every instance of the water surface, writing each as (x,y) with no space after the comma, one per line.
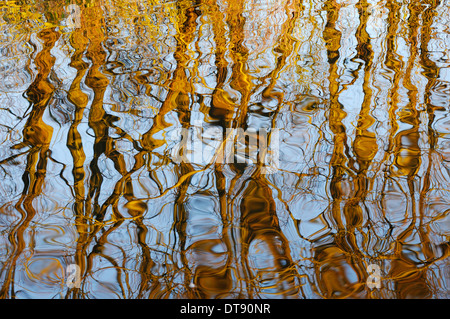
(94,95)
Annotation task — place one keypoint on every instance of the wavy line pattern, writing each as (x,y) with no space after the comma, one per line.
(90,120)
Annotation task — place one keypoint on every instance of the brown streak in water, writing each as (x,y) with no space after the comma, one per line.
(100,122)
(177,97)
(182,90)
(247,211)
(364,147)
(74,143)
(431,71)
(216,282)
(331,259)
(407,159)
(222,108)
(410,278)
(36,134)
(258,214)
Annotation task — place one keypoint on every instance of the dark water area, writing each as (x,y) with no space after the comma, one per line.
(122,175)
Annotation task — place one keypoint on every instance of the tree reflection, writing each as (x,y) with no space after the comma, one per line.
(355,88)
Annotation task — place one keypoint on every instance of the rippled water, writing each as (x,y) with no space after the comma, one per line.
(93,97)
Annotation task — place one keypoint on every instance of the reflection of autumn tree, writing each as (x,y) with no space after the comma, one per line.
(158,63)
(36,135)
(394,63)
(364,147)
(74,143)
(408,161)
(407,158)
(431,71)
(180,98)
(259,220)
(215,280)
(234,113)
(331,260)
(409,274)
(90,214)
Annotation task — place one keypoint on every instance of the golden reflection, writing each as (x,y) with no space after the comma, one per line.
(116,124)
